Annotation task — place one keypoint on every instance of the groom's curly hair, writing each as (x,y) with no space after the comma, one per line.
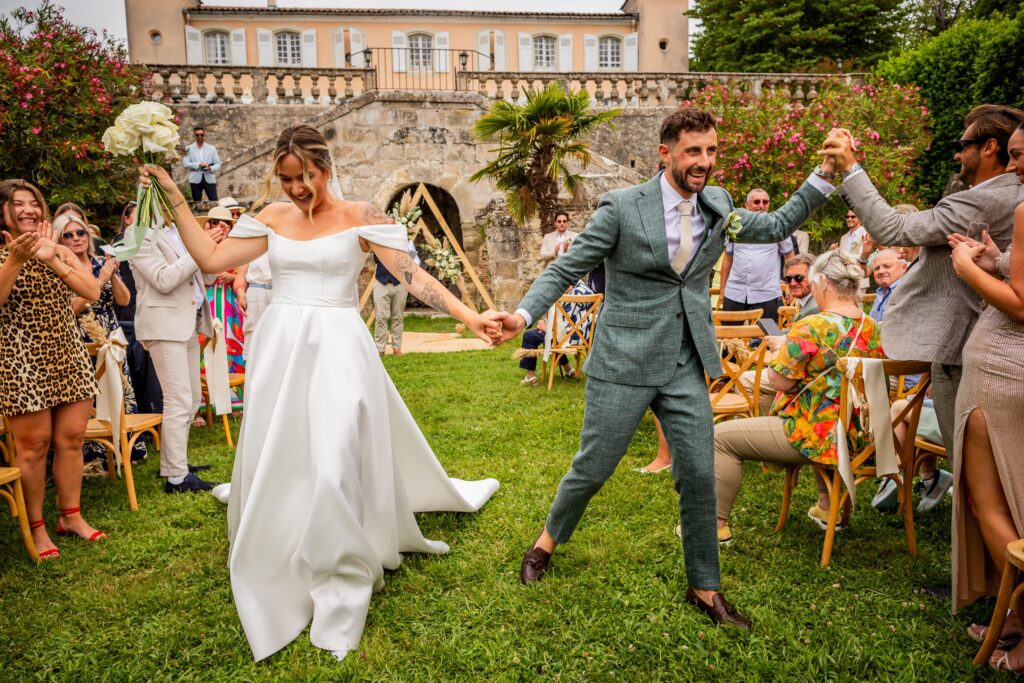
(687,119)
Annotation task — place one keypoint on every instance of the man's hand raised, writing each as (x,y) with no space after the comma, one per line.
(841,146)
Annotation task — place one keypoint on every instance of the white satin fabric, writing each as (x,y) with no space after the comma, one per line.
(330,464)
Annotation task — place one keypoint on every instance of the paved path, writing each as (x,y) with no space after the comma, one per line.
(438,342)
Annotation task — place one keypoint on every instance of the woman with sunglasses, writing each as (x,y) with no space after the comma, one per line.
(47,384)
(70,231)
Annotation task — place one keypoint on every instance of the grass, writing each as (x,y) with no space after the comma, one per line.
(154,602)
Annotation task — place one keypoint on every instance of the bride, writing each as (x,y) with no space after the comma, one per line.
(330,465)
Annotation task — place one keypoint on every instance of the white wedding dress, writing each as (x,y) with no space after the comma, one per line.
(330,465)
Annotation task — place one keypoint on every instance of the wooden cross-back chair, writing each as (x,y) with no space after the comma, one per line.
(862,463)
(571,337)
(729,397)
(133,426)
(11,491)
(235,381)
(715,294)
(737,317)
(787,316)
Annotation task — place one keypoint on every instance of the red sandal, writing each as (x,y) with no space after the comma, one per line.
(46,554)
(64,512)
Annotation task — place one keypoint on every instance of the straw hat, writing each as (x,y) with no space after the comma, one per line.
(230,203)
(217,213)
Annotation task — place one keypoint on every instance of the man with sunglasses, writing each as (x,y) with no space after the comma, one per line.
(797,277)
(750,272)
(931,314)
(203,164)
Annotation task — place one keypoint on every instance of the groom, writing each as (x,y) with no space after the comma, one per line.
(655,341)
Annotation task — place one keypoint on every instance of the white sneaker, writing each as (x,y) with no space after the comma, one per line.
(887,499)
(934,489)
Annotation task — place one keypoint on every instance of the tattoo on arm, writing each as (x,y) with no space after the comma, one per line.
(434,297)
(405,267)
(373,215)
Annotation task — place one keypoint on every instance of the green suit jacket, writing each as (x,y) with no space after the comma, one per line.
(648,306)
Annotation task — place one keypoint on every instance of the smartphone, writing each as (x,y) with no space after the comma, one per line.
(769,327)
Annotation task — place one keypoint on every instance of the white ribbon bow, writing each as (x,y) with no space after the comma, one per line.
(109,359)
(216,364)
(876,391)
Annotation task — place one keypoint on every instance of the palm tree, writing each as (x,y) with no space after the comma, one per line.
(535,142)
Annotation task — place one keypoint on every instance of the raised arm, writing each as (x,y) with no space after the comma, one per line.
(209,256)
(784,221)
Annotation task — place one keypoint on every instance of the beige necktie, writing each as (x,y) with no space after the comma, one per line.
(685,237)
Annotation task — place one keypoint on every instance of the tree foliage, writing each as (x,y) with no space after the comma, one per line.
(793,35)
(537,144)
(974,62)
(771,143)
(60,87)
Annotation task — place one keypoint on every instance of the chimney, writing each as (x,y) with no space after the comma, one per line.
(271,3)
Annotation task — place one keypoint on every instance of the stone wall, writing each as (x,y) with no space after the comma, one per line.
(385,141)
(634,141)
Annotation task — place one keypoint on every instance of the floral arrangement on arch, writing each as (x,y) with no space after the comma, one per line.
(405,212)
(441,257)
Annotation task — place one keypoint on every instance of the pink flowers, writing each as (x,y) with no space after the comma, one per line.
(36,130)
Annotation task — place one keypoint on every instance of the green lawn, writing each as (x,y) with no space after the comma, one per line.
(154,602)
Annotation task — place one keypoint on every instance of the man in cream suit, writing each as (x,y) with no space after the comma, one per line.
(931,314)
(170,311)
(557,242)
(655,342)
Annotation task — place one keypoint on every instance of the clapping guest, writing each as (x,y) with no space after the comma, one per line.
(77,211)
(804,373)
(47,384)
(557,242)
(70,231)
(988,501)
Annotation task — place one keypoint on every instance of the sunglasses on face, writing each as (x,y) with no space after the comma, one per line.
(71,234)
(760,201)
(961,145)
(850,215)
(789,279)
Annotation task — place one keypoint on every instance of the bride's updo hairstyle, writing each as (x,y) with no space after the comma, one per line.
(310,147)
(841,271)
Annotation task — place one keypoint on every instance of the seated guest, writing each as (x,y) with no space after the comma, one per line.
(803,371)
(534,339)
(934,483)
(750,272)
(796,277)
(541,336)
(70,231)
(887,270)
(988,501)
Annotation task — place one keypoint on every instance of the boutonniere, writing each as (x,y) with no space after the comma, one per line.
(733,226)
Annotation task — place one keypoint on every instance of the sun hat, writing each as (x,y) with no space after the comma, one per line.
(217,213)
(230,203)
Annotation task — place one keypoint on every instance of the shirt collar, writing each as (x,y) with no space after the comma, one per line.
(980,185)
(669,197)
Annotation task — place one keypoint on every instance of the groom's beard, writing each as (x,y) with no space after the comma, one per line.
(687,182)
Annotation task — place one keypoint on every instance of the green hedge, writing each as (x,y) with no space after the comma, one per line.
(975,62)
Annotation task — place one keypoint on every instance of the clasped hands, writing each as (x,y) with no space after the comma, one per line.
(497,327)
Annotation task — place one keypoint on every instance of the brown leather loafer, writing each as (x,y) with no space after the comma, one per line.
(720,611)
(535,563)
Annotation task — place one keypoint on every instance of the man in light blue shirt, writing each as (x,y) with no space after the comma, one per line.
(203,164)
(888,269)
(750,272)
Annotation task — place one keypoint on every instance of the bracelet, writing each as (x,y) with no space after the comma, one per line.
(67,272)
(822,173)
(850,171)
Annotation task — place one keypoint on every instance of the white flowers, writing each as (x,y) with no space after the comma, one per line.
(147,127)
(733,226)
(441,257)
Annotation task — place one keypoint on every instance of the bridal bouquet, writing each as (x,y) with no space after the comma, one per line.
(145,131)
(441,257)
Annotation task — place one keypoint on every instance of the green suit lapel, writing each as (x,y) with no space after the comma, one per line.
(713,216)
(651,207)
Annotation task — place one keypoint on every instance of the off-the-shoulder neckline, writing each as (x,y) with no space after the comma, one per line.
(312,239)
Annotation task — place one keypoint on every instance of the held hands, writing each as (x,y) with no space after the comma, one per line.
(502,326)
(839,146)
(986,258)
(965,255)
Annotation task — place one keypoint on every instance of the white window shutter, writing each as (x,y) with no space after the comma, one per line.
(265,47)
(193,46)
(441,52)
(630,53)
(483,46)
(238,57)
(398,45)
(589,52)
(338,41)
(525,52)
(357,44)
(565,52)
(500,61)
(309,48)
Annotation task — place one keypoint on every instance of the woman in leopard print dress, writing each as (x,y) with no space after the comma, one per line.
(46,380)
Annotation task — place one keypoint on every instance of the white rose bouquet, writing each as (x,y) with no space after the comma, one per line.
(145,131)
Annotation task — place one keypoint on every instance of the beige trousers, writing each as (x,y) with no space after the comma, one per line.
(767,395)
(388,305)
(755,438)
(177,368)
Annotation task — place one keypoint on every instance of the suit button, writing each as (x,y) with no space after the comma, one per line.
(679,316)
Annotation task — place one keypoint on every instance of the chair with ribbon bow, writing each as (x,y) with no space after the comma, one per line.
(571,326)
(865,385)
(112,426)
(11,491)
(216,382)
